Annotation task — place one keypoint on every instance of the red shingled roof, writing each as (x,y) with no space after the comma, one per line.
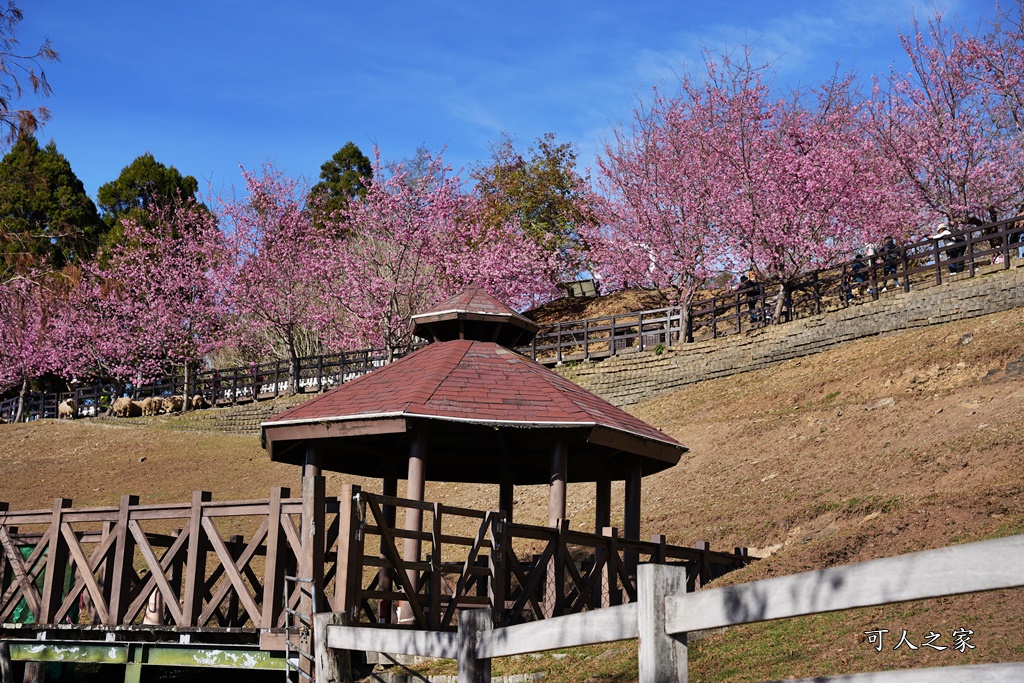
(470,381)
(473,299)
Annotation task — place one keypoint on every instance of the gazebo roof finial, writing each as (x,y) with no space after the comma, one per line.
(475,315)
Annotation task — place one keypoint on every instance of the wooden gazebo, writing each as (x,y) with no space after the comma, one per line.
(466,408)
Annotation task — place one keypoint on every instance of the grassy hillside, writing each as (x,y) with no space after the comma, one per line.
(880,447)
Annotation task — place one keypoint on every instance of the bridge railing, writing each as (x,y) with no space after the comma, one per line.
(183,565)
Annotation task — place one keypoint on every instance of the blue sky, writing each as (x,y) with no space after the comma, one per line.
(208,86)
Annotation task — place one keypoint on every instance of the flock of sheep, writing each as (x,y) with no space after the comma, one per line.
(126,407)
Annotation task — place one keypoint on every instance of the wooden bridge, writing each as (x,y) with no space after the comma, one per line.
(202,583)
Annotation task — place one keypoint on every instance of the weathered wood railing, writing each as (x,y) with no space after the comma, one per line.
(523,572)
(187,562)
(665,612)
(915,264)
(220,565)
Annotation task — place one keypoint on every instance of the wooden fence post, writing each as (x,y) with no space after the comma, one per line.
(348,568)
(496,564)
(610,593)
(471,669)
(273,584)
(6,670)
(314,510)
(663,657)
(195,579)
(124,556)
(705,561)
(332,666)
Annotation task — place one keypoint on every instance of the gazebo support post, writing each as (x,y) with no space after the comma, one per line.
(631,530)
(414,489)
(506,493)
(602,501)
(389,487)
(313,463)
(556,486)
(556,520)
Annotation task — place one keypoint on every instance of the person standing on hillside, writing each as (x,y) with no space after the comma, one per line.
(890,262)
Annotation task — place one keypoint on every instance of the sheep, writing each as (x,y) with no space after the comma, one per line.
(152,405)
(136,409)
(122,407)
(172,404)
(199,401)
(67,409)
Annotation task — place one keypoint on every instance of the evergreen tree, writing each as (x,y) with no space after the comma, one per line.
(142,184)
(341,180)
(45,214)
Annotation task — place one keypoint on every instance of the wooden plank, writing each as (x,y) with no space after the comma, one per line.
(586,628)
(970,568)
(56,565)
(438,644)
(662,656)
(332,666)
(6,670)
(1009,672)
(343,591)
(313,517)
(273,580)
(195,577)
(121,570)
(435,573)
(473,625)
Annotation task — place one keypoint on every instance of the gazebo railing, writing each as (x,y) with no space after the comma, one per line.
(523,572)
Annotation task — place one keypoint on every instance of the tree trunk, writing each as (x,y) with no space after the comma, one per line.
(186,400)
(780,303)
(293,371)
(686,323)
(118,389)
(21,400)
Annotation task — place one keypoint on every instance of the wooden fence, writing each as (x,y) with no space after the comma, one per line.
(523,572)
(186,563)
(665,612)
(221,565)
(227,386)
(921,263)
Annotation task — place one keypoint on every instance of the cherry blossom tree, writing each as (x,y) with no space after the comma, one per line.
(806,185)
(730,173)
(153,305)
(276,279)
(26,339)
(412,243)
(953,122)
(658,203)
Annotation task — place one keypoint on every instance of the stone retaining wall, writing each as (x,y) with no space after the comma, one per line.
(628,379)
